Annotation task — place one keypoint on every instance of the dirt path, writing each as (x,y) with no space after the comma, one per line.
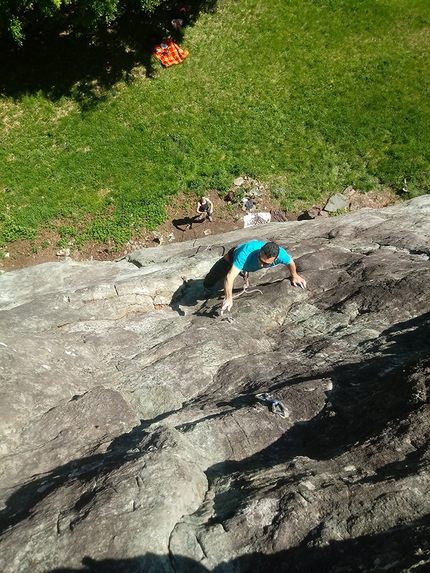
(177,228)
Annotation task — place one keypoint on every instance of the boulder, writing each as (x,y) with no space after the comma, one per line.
(336,202)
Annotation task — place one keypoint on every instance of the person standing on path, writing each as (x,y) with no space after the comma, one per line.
(205,208)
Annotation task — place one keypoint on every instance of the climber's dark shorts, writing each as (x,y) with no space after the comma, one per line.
(219,270)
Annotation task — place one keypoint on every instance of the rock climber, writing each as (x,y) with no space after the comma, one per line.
(245,258)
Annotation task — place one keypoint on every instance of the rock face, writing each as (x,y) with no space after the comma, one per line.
(131,436)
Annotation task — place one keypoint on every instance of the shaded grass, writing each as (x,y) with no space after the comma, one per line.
(311,96)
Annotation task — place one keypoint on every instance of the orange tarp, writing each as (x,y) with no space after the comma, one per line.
(169,53)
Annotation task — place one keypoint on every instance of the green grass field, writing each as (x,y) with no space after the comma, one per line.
(308,95)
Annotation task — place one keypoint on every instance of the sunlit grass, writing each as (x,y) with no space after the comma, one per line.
(311,96)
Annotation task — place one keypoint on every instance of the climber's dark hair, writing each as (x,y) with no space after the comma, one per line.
(270,250)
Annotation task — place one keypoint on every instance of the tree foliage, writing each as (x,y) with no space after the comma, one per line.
(17,15)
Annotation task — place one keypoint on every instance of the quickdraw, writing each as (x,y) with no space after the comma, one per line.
(275,405)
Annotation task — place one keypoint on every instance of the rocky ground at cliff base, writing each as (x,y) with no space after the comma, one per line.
(228,217)
(132,436)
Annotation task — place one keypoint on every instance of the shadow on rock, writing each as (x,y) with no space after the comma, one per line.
(193,294)
(366,397)
(401,548)
(148,562)
(123,449)
(235,404)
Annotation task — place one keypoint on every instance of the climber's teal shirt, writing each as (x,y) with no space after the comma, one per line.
(245,256)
